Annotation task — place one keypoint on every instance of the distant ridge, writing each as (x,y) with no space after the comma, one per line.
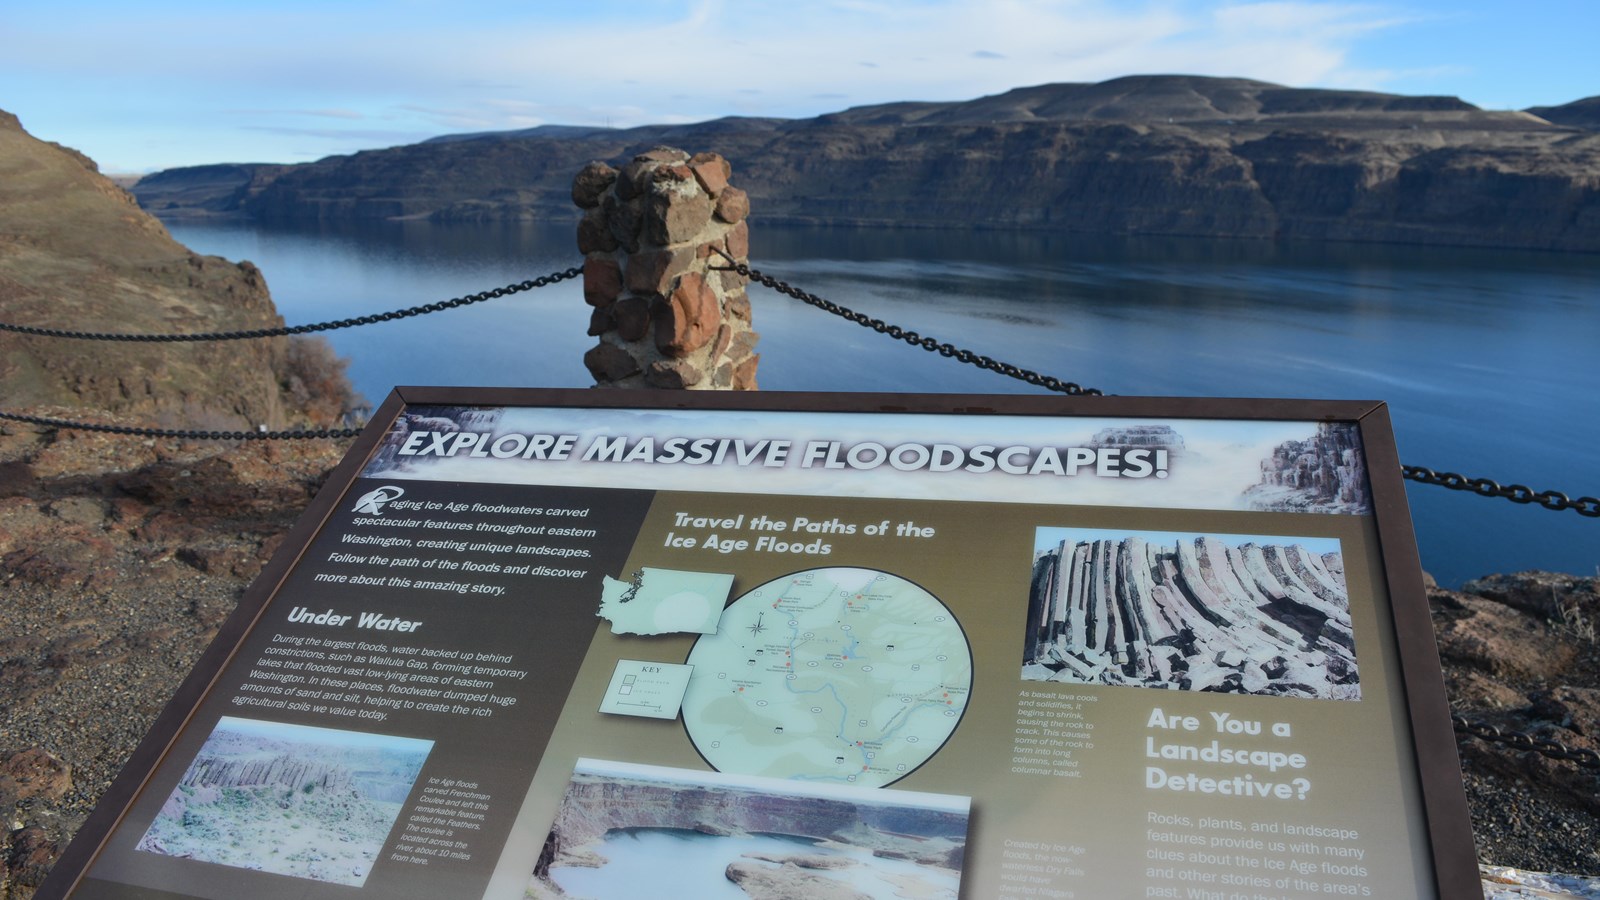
(1583,113)
(1146,154)
(1146,98)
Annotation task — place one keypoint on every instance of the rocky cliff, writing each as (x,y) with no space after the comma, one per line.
(594,805)
(205,190)
(1325,473)
(282,770)
(119,559)
(76,253)
(1138,155)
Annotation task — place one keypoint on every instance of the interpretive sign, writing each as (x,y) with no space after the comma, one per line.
(562,643)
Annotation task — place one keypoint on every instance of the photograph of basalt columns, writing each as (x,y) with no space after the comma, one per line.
(667,311)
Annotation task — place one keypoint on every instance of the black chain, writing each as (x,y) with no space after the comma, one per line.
(184,435)
(1518,740)
(932,345)
(1516,493)
(1484,487)
(513,288)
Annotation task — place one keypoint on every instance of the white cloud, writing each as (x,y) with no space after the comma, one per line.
(313,113)
(352,138)
(1315,21)
(431,69)
(714,47)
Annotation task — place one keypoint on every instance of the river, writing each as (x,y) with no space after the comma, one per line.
(639,858)
(1487,358)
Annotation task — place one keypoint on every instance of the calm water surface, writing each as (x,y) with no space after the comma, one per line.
(1486,358)
(639,857)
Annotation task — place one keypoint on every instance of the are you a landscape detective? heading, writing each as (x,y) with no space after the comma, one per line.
(1017,459)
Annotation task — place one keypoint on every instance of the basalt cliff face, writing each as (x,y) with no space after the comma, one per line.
(1325,473)
(1181,155)
(283,770)
(594,807)
(77,254)
(200,190)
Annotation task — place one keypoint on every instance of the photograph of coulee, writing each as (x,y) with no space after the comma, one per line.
(314,803)
(745,836)
(1241,614)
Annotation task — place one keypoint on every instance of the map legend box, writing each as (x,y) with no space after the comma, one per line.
(653,690)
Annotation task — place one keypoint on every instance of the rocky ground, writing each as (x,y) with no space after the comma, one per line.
(119,558)
(1521,652)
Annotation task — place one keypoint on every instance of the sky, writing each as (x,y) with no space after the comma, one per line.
(163,83)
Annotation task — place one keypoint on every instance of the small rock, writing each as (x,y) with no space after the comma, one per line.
(30,773)
(732,207)
(590,183)
(712,171)
(608,362)
(602,281)
(689,318)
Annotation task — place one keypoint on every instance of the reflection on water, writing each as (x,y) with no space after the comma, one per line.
(1482,355)
(640,860)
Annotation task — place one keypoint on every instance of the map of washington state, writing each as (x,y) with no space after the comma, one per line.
(663,601)
(841,675)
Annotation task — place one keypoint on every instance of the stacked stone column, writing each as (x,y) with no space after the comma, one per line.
(650,236)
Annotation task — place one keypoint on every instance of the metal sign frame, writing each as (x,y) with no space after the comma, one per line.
(1424,763)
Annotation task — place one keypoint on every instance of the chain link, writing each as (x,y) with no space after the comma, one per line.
(1516,493)
(184,435)
(495,293)
(322,433)
(1518,740)
(932,345)
(1484,487)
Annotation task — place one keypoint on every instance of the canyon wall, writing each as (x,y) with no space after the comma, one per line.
(1178,155)
(593,806)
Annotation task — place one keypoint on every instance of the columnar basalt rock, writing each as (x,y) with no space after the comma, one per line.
(656,236)
(282,770)
(1196,614)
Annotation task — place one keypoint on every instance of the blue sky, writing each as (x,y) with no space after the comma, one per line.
(144,86)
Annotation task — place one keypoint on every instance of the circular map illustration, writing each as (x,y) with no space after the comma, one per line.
(841,674)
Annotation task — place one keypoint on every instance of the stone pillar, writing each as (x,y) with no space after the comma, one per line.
(649,236)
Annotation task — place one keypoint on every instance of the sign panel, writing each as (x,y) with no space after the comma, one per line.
(546,644)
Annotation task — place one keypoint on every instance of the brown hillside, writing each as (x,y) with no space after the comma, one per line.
(76,253)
